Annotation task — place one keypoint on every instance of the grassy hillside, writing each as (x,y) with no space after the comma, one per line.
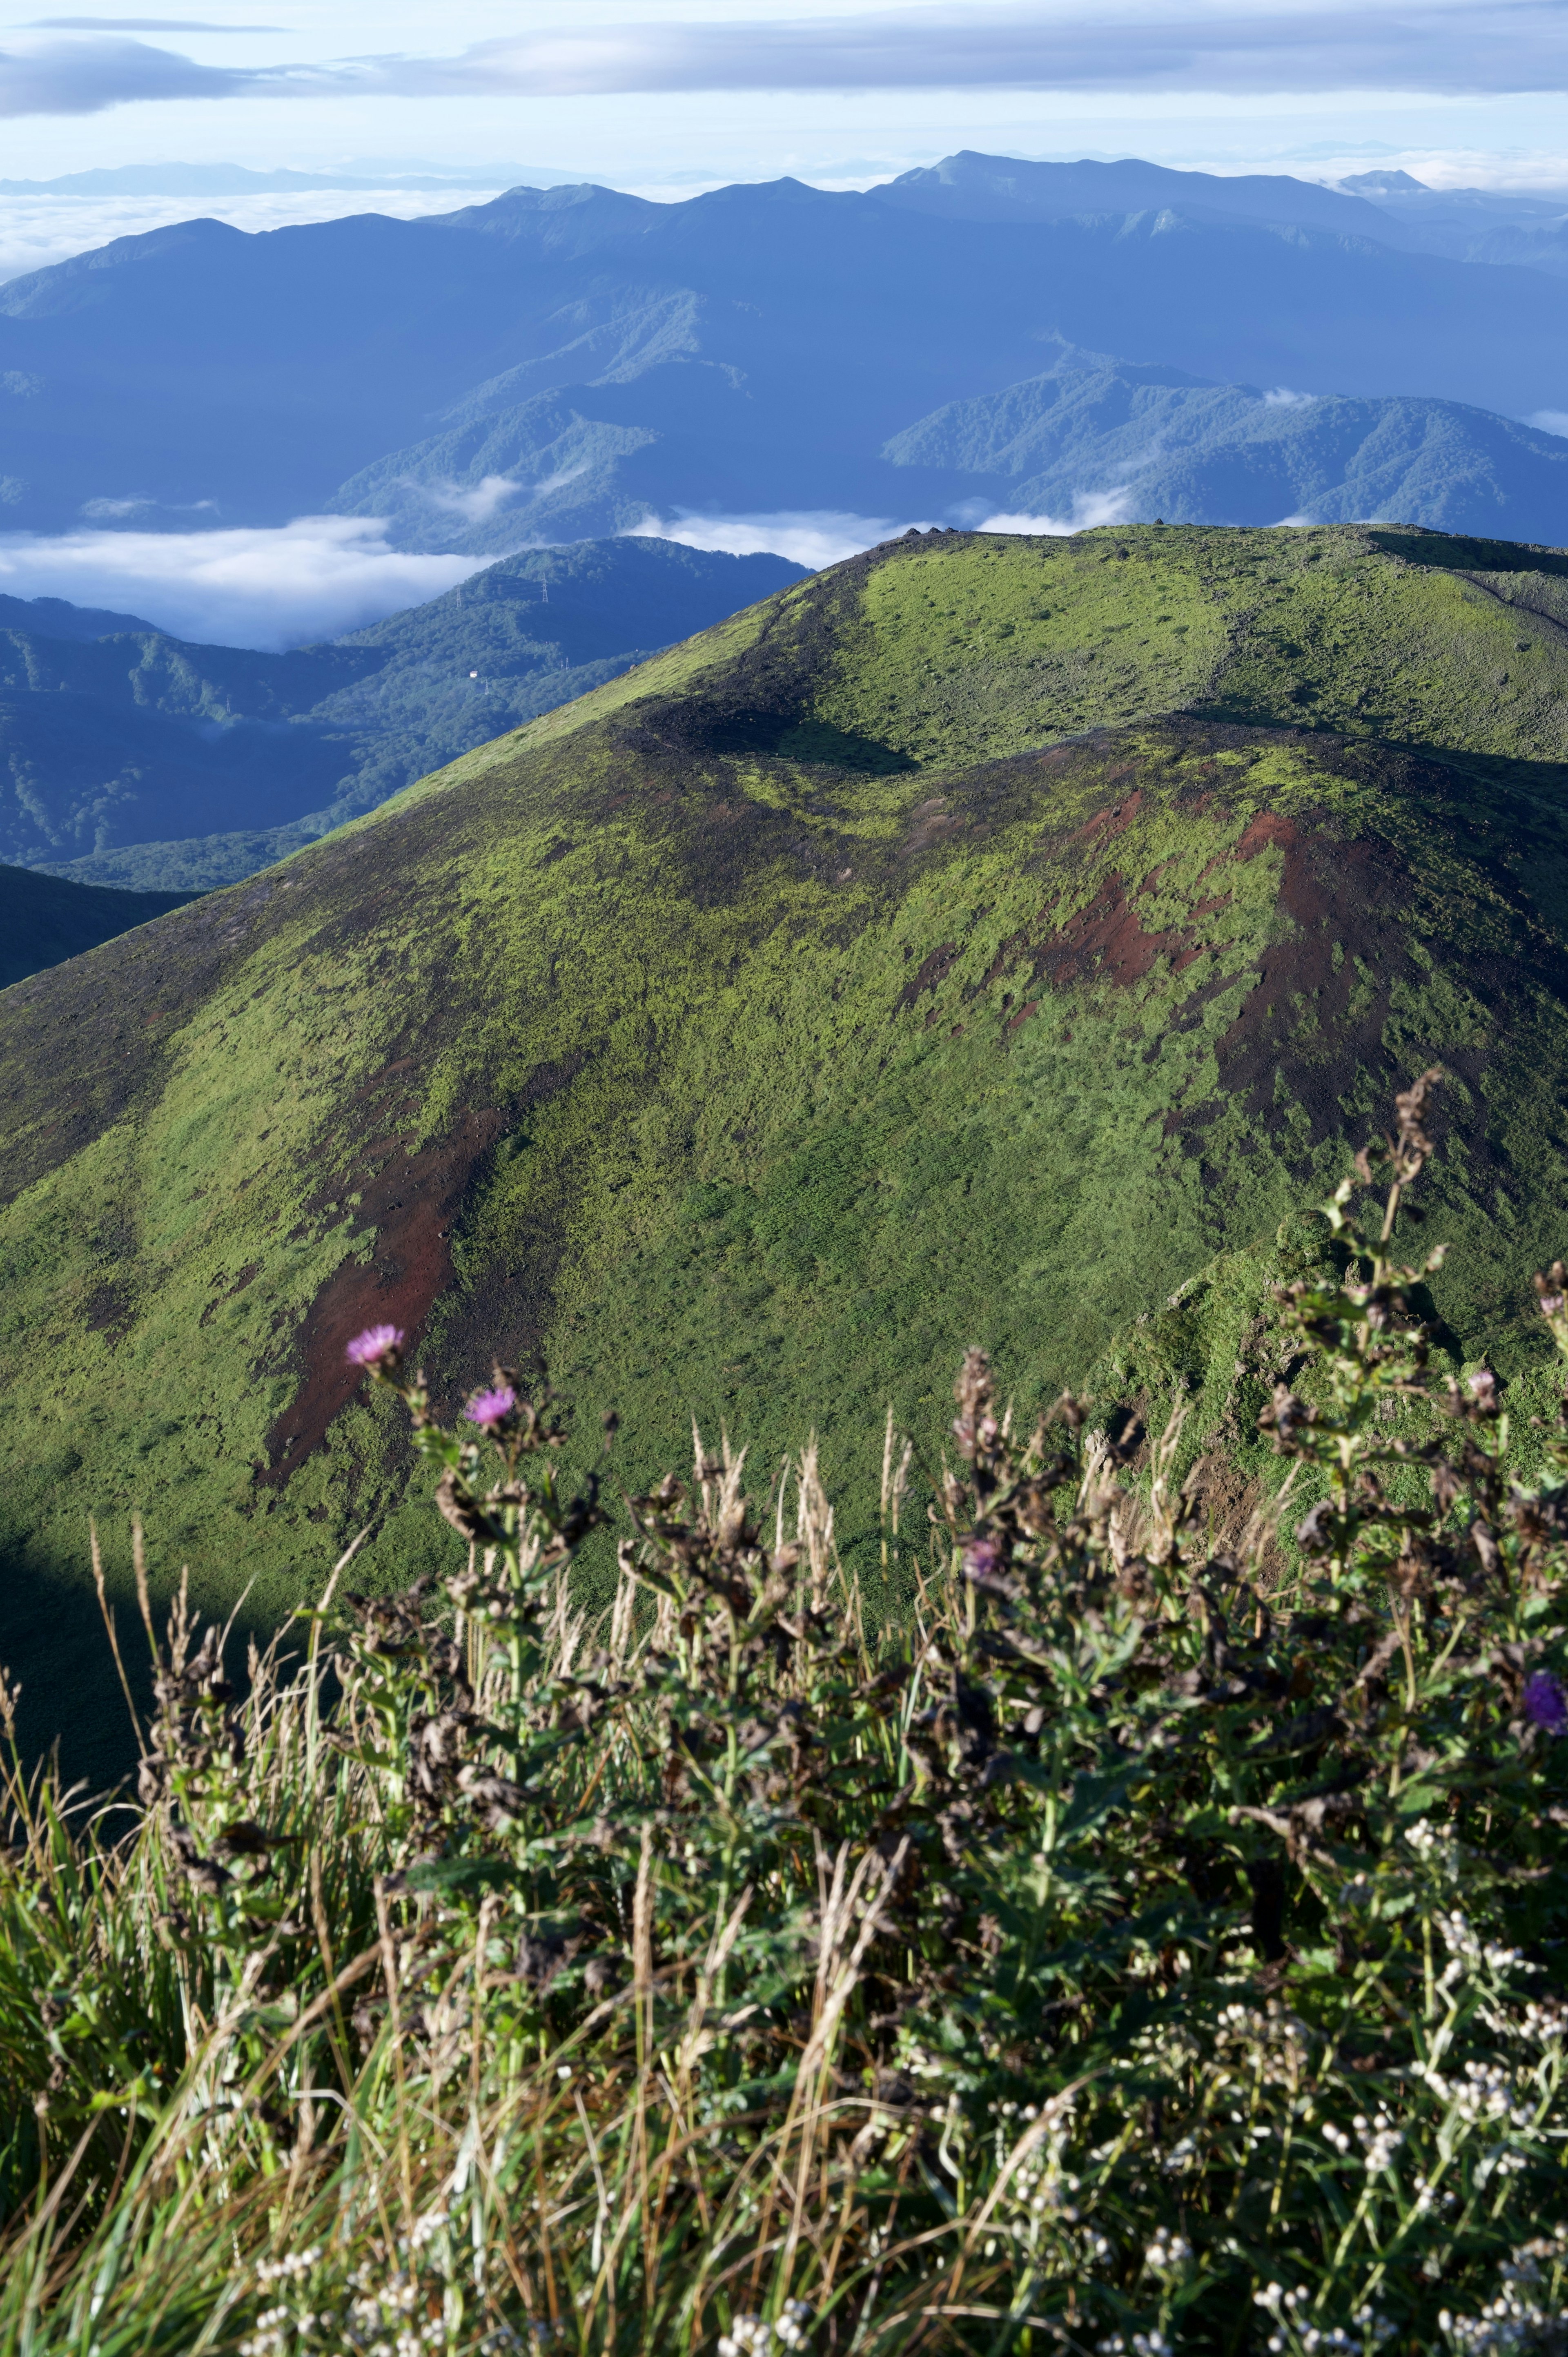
(968,944)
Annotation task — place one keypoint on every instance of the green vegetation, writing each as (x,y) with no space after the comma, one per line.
(1141,1946)
(888,969)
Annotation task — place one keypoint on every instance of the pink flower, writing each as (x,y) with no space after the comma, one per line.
(376,1343)
(492,1407)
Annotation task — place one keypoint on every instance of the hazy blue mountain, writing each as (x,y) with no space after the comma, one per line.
(44,919)
(1177,448)
(57,618)
(140,760)
(562,362)
(1494,225)
(972,186)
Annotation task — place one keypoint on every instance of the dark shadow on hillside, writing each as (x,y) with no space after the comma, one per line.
(1458,553)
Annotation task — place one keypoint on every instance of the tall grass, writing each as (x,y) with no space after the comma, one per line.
(1138,1950)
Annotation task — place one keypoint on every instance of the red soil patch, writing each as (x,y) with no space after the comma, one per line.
(410,1205)
(933,969)
(1105,942)
(1267,827)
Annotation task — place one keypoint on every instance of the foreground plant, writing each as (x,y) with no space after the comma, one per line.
(1149,1948)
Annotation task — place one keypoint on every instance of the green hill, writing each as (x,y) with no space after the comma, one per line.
(977,942)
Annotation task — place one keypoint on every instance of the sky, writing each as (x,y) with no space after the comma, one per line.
(669,97)
(672,94)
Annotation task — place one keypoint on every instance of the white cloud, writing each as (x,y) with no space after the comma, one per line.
(1433,46)
(809,536)
(36,231)
(478,502)
(1549,421)
(818,537)
(1281,397)
(1091,509)
(313,578)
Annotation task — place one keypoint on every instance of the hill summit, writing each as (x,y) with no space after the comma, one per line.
(979,941)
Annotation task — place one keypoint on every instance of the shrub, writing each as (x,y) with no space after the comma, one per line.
(1144,1949)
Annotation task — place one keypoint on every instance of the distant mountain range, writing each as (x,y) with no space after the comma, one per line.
(1144,443)
(566,363)
(131,759)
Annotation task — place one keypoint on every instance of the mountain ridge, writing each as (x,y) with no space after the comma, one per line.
(278,373)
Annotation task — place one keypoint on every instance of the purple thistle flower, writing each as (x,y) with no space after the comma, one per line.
(376,1343)
(492,1407)
(983,1558)
(1545,1704)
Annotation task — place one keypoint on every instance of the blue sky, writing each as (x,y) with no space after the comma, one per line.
(672,94)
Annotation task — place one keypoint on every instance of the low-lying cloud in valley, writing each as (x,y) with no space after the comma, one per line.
(811,536)
(276,588)
(818,537)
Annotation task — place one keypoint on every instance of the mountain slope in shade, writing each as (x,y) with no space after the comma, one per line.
(967,944)
(43,918)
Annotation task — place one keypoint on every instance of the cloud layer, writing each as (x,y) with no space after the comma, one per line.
(38,231)
(818,537)
(1439,47)
(310,579)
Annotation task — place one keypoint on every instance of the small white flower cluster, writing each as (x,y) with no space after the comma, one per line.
(1166,2251)
(1486,2095)
(1379,2140)
(1435,1846)
(1512,2323)
(282,2328)
(1152,2344)
(1467,1948)
(381,2320)
(1293,2334)
(290,2268)
(1275,2041)
(752,2336)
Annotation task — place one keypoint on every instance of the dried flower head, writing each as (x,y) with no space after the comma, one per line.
(489,1408)
(375,1347)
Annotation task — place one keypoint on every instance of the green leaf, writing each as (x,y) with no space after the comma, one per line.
(452,1874)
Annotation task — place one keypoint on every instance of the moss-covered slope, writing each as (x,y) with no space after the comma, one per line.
(968,943)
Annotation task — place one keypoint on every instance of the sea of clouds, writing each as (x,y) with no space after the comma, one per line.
(277,587)
(36,231)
